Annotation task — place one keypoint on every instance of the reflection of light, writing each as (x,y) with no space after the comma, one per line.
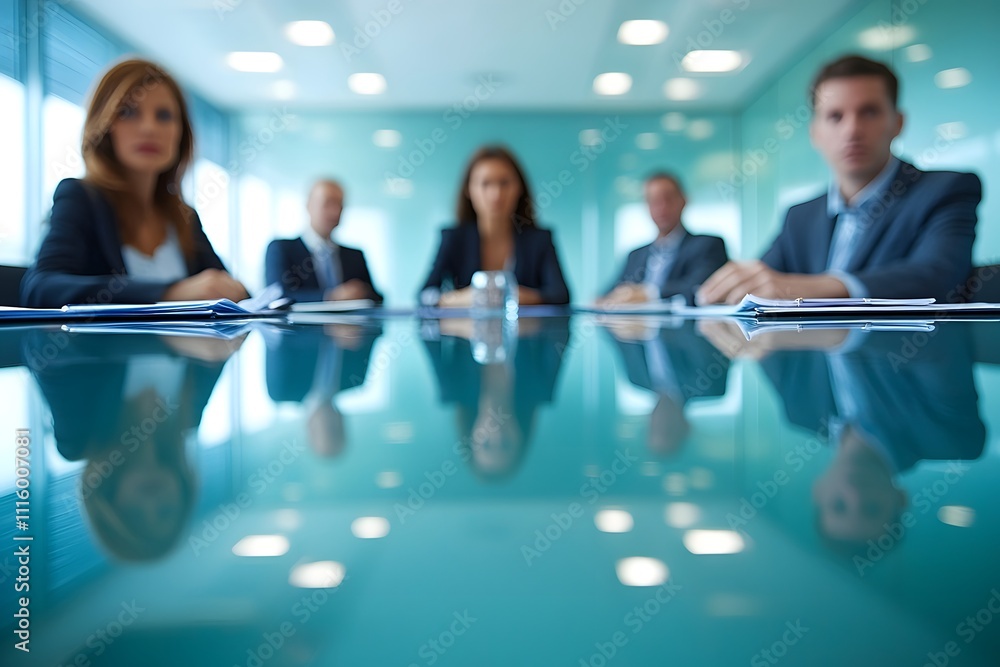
(641,571)
(918,53)
(370,527)
(713,542)
(953,78)
(259,546)
(387,138)
(612,83)
(681,515)
(673,121)
(283,90)
(957,515)
(388,479)
(398,433)
(292,492)
(885,37)
(613,521)
(682,89)
(399,187)
(254,61)
(700,129)
(647,141)
(643,32)
(288,519)
(591,471)
(366,83)
(321,574)
(712,61)
(590,137)
(309,33)
(675,484)
(650,469)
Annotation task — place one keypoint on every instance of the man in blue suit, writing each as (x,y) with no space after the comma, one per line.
(313,267)
(677,262)
(885,229)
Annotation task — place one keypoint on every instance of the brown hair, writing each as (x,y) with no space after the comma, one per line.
(123,86)
(524,213)
(666,176)
(855,65)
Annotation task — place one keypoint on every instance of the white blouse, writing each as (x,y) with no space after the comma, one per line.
(165,265)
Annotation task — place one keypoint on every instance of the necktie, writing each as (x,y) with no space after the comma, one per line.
(327,274)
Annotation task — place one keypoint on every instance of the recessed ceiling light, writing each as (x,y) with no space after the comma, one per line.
(641,571)
(957,515)
(682,90)
(706,542)
(261,546)
(366,83)
(388,479)
(648,141)
(589,137)
(953,78)
(642,33)
(673,121)
(370,527)
(681,515)
(320,574)
(699,130)
(712,61)
(309,33)
(612,83)
(918,53)
(886,37)
(254,61)
(613,521)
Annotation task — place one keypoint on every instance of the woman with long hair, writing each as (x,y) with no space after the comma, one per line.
(123,233)
(496,231)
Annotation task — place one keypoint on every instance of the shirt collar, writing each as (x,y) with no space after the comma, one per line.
(316,243)
(671,240)
(835,204)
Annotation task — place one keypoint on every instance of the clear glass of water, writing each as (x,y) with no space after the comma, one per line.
(494,294)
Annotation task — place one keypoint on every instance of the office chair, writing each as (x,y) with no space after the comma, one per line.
(10,285)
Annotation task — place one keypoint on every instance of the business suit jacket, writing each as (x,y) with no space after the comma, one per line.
(698,257)
(919,405)
(289,262)
(536,264)
(919,243)
(80,260)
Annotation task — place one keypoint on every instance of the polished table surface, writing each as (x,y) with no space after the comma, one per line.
(568,491)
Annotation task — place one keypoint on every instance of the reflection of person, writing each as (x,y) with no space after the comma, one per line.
(125,403)
(677,365)
(311,366)
(497,401)
(884,411)
(676,262)
(885,228)
(313,267)
(496,231)
(124,234)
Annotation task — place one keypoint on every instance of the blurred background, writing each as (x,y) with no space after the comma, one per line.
(392,96)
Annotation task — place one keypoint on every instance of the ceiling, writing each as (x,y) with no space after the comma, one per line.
(538,54)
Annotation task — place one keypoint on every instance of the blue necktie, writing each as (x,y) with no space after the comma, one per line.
(327,274)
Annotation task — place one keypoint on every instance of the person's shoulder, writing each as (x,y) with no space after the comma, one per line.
(705,239)
(945,181)
(284,244)
(75,189)
(536,233)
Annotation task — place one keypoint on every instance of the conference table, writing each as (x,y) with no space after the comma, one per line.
(578,490)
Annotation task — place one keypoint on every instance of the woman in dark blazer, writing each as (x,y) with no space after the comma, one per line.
(123,234)
(496,231)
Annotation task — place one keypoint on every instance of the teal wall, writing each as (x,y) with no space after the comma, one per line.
(954,34)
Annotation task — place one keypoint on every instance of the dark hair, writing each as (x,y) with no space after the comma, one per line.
(666,176)
(855,65)
(524,213)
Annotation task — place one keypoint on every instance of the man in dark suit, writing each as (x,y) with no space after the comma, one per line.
(676,262)
(313,267)
(885,229)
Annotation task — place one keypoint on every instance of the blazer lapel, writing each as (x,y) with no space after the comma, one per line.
(824,237)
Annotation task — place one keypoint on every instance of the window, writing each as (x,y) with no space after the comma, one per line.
(13,248)
(62,135)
